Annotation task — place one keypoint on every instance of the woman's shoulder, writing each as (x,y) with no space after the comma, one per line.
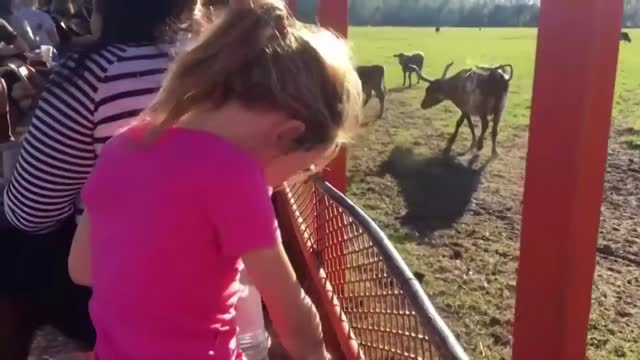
(136,57)
(113,53)
(100,60)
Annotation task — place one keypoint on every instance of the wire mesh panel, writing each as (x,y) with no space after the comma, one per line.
(386,311)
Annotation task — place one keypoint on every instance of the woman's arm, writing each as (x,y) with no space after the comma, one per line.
(80,254)
(58,151)
(294,316)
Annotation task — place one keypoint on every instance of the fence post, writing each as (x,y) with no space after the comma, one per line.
(570,121)
(334,14)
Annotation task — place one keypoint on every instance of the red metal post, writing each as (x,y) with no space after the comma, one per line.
(570,122)
(334,14)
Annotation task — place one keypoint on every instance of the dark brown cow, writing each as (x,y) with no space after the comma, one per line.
(624,36)
(409,62)
(372,78)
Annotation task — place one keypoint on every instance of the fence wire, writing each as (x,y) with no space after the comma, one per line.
(387,311)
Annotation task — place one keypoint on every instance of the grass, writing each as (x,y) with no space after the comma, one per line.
(474,293)
(466,47)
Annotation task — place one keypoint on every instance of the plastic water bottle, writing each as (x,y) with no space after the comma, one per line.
(253,338)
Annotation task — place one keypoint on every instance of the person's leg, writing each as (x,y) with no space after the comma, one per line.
(18,320)
(68,305)
(35,274)
(71,316)
(18,324)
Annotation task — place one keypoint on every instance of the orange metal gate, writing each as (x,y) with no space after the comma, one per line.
(371,304)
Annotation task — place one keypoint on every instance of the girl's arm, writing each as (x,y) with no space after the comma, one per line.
(245,222)
(80,254)
(294,316)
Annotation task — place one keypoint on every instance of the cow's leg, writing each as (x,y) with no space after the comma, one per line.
(473,132)
(380,95)
(404,78)
(494,133)
(410,78)
(452,138)
(367,96)
(485,126)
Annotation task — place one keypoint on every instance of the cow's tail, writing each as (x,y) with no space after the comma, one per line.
(384,85)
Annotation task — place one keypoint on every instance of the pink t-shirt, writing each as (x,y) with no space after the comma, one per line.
(168,224)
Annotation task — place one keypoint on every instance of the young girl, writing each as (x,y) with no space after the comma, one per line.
(178,203)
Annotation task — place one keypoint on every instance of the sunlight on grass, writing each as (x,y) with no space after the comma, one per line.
(468,47)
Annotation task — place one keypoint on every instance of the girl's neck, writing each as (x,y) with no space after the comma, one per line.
(245,128)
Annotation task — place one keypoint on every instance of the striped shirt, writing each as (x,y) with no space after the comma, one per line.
(88,99)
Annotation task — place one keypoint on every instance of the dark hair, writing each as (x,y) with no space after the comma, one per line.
(139,21)
(6,10)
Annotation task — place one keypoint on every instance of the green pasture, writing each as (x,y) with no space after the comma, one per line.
(467,47)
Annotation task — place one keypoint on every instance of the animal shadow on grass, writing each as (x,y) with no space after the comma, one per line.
(400,89)
(437,190)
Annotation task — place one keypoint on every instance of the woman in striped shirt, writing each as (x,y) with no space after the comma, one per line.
(90,96)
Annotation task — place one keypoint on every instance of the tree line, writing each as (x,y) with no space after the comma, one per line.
(459,13)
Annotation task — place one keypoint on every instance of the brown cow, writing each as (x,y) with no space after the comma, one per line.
(372,78)
(480,91)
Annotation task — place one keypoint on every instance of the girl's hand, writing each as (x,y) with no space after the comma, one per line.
(294,316)
(323,356)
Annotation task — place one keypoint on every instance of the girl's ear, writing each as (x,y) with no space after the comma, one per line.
(287,133)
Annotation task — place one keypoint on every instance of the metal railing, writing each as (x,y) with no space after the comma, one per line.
(380,305)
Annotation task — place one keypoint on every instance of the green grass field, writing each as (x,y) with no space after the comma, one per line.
(471,267)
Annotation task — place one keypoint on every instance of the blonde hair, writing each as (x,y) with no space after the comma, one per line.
(262,58)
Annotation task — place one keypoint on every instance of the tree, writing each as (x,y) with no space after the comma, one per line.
(470,13)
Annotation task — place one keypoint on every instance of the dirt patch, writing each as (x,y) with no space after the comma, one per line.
(49,344)
(470,269)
